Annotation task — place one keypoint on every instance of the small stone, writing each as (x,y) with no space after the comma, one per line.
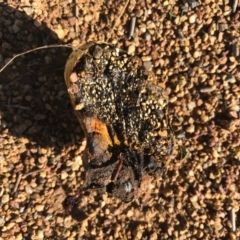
(39,207)
(232,236)
(204,118)
(154,236)
(230,79)
(75,43)
(5,198)
(42,78)
(48,59)
(28,98)
(40,234)
(191,105)
(39,117)
(59,220)
(88,18)
(28,10)
(72,21)
(233,114)
(130,213)
(69,163)
(147,36)
(64,175)
(192,18)
(146,58)
(131,49)
(42,159)
(1,220)
(147,65)
(19,236)
(190,129)
(44,151)
(73,77)
(37,24)
(15,28)
(28,189)
(60,32)
(196,54)
(180,134)
(10,225)
(206,89)
(193,3)
(107,211)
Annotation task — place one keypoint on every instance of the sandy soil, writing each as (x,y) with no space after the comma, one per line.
(193,48)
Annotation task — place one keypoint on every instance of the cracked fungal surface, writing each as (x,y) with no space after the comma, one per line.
(122,111)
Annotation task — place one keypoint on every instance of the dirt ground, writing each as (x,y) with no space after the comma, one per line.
(192,47)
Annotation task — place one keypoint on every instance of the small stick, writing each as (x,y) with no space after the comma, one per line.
(32,172)
(15,106)
(32,50)
(76,16)
(233,219)
(235,3)
(15,80)
(132,27)
(17,183)
(21,176)
(118,169)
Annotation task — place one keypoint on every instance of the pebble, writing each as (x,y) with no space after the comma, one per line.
(1,220)
(19,236)
(191,105)
(28,10)
(148,65)
(60,32)
(190,129)
(131,49)
(206,89)
(130,213)
(39,207)
(59,220)
(16,28)
(196,54)
(147,36)
(40,234)
(42,78)
(73,77)
(48,217)
(42,159)
(146,58)
(72,21)
(37,24)
(28,189)
(180,134)
(64,175)
(192,18)
(5,198)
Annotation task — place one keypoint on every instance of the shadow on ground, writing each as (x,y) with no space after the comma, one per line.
(35,109)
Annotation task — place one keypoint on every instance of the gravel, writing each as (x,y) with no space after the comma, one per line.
(193,49)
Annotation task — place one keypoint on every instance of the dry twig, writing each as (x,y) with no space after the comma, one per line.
(76,16)
(32,50)
(233,219)
(17,183)
(235,4)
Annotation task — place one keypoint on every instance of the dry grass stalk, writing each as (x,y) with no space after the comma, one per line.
(233,219)
(32,50)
